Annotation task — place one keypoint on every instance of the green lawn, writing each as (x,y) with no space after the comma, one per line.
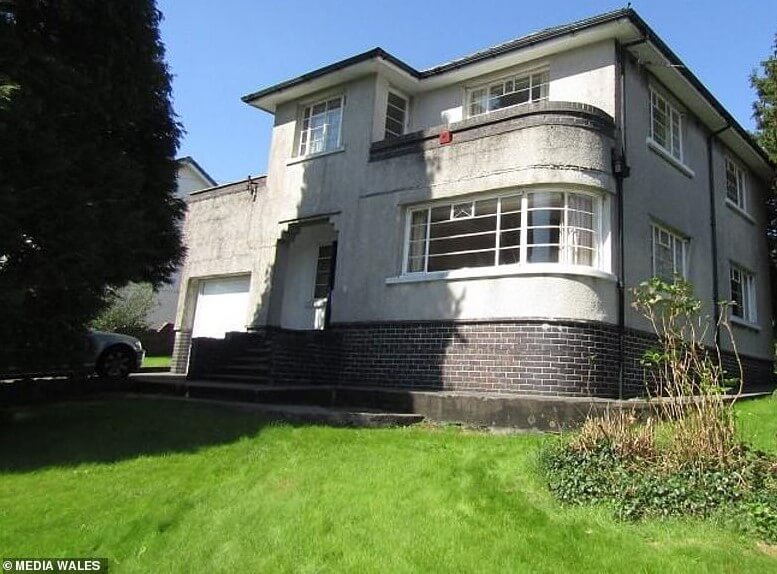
(163,361)
(164,486)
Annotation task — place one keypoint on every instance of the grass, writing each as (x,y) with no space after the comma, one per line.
(164,486)
(163,361)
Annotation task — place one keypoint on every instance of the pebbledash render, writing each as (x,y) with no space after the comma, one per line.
(479,225)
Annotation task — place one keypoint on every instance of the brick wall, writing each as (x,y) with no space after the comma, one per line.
(537,357)
(554,358)
(180,359)
(302,357)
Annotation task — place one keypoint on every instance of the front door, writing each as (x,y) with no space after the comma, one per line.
(325,273)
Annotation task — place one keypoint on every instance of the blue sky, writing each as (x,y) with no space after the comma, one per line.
(220,51)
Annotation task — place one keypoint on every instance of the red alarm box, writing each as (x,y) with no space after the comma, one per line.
(446,137)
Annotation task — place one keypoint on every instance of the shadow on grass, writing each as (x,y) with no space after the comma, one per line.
(103,431)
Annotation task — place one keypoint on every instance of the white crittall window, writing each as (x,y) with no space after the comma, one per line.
(669,254)
(743,294)
(666,125)
(735,184)
(320,126)
(396,115)
(512,91)
(557,227)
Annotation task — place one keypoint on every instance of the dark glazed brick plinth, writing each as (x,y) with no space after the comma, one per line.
(551,358)
(560,358)
(535,357)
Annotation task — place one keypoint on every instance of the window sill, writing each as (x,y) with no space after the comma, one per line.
(684,169)
(740,211)
(305,158)
(506,271)
(745,324)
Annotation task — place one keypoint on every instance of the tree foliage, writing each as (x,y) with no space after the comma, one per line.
(765,113)
(127,310)
(87,173)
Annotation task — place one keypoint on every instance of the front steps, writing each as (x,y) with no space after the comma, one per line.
(249,365)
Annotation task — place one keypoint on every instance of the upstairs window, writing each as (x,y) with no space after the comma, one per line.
(535,227)
(735,184)
(512,91)
(396,115)
(669,253)
(320,129)
(666,126)
(743,294)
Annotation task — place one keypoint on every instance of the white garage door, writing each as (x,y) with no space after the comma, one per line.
(222,306)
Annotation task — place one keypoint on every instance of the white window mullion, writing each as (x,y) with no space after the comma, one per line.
(498,240)
(524,228)
(426,243)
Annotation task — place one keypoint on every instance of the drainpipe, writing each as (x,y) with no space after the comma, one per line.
(714,230)
(620,170)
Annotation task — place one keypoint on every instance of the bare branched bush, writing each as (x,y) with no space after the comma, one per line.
(687,380)
(620,430)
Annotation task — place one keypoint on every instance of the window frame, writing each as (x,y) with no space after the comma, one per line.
(406,122)
(740,175)
(600,263)
(684,241)
(748,287)
(303,107)
(469,90)
(672,112)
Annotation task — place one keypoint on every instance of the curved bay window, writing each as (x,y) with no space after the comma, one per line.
(513,229)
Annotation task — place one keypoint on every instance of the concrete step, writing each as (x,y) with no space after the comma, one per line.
(305,414)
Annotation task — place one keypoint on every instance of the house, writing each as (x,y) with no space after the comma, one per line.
(190,177)
(478,225)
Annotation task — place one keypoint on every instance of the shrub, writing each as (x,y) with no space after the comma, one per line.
(127,310)
(684,459)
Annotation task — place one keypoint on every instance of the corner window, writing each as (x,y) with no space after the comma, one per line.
(666,125)
(515,229)
(669,253)
(735,184)
(512,91)
(320,128)
(396,115)
(743,294)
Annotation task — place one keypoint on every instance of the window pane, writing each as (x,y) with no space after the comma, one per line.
(448,262)
(511,220)
(676,143)
(415,264)
(511,203)
(462,210)
(542,254)
(397,101)
(510,238)
(545,217)
(509,256)
(546,199)
(463,226)
(736,294)
(486,207)
(469,243)
(542,235)
(442,213)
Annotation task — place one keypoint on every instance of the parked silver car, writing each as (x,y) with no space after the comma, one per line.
(113,355)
